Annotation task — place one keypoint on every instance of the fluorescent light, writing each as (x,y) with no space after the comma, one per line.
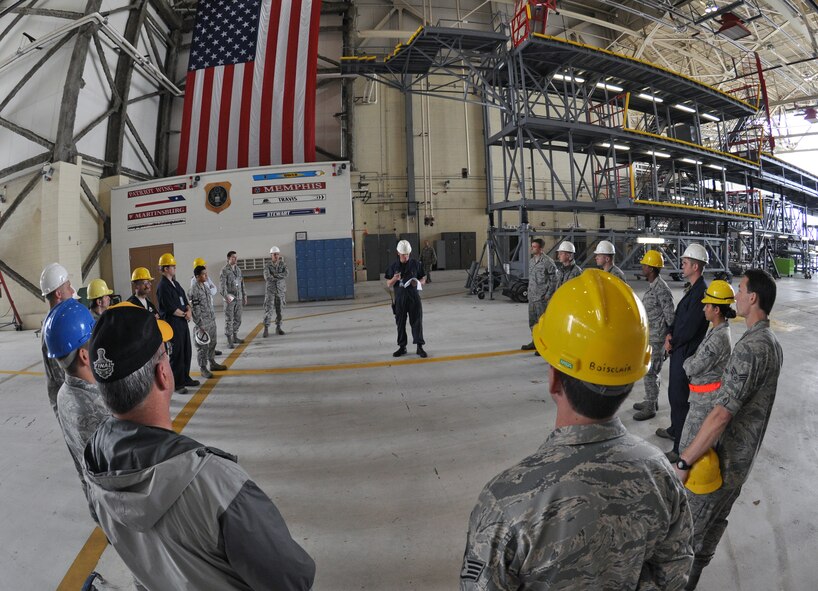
(576,79)
(649,240)
(690,161)
(611,87)
(708,116)
(617,146)
(658,154)
(746,232)
(650,97)
(685,108)
(715,167)
(783,236)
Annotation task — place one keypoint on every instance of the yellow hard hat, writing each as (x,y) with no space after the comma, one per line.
(167,260)
(141,274)
(719,292)
(596,330)
(98,288)
(199,263)
(705,475)
(653,258)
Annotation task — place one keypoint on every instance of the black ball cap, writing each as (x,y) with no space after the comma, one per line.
(125,338)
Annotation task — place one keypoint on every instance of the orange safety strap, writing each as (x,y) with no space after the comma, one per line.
(704,388)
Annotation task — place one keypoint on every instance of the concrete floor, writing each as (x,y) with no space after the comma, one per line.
(376,464)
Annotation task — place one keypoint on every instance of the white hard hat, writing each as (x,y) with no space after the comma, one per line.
(605,247)
(201,337)
(52,277)
(404,247)
(566,246)
(696,251)
(274,250)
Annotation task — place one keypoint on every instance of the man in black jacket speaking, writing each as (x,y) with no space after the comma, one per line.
(406,276)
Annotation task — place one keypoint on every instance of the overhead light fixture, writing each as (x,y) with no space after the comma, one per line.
(658,154)
(617,146)
(576,79)
(783,236)
(708,116)
(649,240)
(691,161)
(715,167)
(684,108)
(650,97)
(710,7)
(611,87)
(746,232)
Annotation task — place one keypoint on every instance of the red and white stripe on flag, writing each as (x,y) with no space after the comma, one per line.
(259,111)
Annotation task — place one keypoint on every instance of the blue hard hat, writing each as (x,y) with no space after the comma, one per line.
(66,328)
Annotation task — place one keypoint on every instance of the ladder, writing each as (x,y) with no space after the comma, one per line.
(15,321)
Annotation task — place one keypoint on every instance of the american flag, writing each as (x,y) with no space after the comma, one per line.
(250,92)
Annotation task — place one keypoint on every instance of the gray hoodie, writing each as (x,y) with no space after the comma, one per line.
(185,516)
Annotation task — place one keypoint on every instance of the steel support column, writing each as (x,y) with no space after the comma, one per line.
(411,200)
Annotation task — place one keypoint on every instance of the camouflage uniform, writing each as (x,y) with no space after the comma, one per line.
(658,302)
(567,272)
(428,257)
(595,508)
(81,411)
(231,283)
(204,317)
(705,366)
(747,391)
(542,283)
(617,272)
(54,375)
(275,276)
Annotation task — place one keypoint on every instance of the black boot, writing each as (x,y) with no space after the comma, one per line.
(278,329)
(400,352)
(266,332)
(421,352)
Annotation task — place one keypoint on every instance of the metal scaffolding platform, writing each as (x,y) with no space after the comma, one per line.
(615,135)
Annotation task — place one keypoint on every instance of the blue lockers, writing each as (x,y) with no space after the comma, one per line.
(325,269)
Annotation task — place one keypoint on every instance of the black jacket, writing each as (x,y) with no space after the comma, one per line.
(689,324)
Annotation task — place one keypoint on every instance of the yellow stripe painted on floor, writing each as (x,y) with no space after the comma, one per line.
(20,372)
(85,562)
(346,366)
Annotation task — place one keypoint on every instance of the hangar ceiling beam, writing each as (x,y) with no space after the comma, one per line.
(64,147)
(122,85)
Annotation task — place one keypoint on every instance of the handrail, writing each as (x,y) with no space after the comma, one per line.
(146,66)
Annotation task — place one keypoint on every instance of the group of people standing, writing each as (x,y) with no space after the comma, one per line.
(596,504)
(180,514)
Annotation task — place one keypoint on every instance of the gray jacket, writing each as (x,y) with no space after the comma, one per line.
(185,516)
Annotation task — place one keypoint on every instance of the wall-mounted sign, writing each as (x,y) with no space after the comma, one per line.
(287,175)
(273,200)
(260,215)
(155,190)
(217,196)
(288,187)
(155,213)
(168,199)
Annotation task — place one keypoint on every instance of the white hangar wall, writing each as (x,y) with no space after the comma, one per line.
(266,207)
